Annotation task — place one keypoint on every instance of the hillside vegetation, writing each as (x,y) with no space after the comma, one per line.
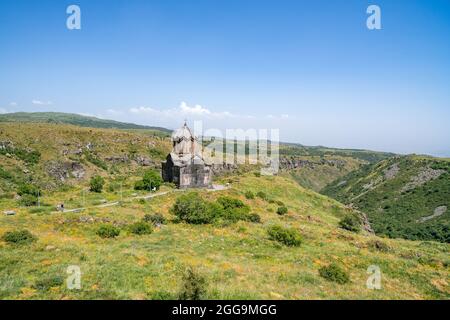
(74,119)
(263,238)
(55,156)
(298,254)
(407,197)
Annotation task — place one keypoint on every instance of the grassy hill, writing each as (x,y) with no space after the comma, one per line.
(406,197)
(316,167)
(237,260)
(74,119)
(53,156)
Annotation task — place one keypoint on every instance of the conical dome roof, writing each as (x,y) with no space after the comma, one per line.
(182,133)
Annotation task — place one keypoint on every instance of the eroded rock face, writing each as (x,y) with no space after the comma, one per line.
(223,168)
(294,163)
(439,211)
(426,175)
(6,145)
(118,159)
(143,161)
(64,170)
(391,172)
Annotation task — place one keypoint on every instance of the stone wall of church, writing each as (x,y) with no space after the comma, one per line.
(195,176)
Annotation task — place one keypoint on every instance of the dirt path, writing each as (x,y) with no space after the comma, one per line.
(115,203)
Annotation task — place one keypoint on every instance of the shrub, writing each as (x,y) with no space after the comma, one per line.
(350,223)
(151,180)
(230,203)
(229,209)
(141,228)
(334,273)
(95,161)
(282,210)
(378,245)
(5,174)
(114,186)
(191,208)
(29,189)
(28,200)
(280,203)
(262,195)
(287,236)
(254,217)
(48,282)
(249,195)
(19,237)
(108,231)
(155,219)
(193,285)
(96,184)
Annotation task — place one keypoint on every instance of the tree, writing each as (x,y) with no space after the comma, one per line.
(151,180)
(96,184)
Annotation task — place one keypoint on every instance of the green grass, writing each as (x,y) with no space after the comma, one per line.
(393,210)
(238,260)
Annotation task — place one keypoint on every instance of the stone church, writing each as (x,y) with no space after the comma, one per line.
(185,165)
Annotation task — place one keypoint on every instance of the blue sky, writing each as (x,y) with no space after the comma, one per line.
(310,68)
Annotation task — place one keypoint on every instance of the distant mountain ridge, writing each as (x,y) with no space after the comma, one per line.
(74,119)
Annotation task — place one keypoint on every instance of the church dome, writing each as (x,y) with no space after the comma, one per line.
(183,133)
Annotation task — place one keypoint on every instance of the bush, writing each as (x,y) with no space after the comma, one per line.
(48,282)
(5,174)
(28,200)
(151,180)
(230,209)
(287,236)
(95,161)
(350,223)
(282,210)
(30,189)
(96,184)
(191,208)
(141,228)
(155,219)
(249,195)
(230,203)
(19,237)
(262,195)
(334,273)
(108,231)
(378,245)
(254,217)
(193,286)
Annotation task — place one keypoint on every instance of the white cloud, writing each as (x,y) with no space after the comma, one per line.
(114,112)
(13,104)
(196,110)
(41,103)
(184,110)
(2,110)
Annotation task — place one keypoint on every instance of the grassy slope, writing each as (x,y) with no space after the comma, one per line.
(239,261)
(322,172)
(52,139)
(394,212)
(74,119)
